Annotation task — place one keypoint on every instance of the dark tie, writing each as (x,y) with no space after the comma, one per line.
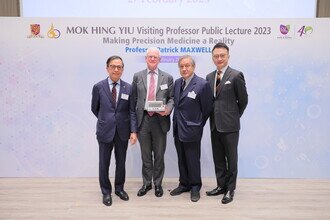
(183,85)
(218,82)
(114,93)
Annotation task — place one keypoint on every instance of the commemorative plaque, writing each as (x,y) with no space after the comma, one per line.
(156,106)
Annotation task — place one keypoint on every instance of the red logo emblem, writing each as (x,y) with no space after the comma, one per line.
(35,29)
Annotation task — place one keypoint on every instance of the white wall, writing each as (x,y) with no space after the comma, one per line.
(170,8)
(47,128)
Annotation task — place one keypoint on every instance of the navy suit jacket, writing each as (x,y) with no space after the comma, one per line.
(110,118)
(191,109)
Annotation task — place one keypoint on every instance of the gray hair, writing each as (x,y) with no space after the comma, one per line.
(187,57)
(153,49)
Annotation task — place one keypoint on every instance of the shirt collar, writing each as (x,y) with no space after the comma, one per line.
(223,70)
(156,71)
(189,79)
(111,82)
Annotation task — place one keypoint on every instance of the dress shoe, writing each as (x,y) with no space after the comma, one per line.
(122,194)
(195,196)
(228,197)
(107,200)
(179,190)
(144,189)
(215,192)
(159,191)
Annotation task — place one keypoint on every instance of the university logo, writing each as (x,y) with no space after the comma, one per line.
(284,29)
(35,31)
(285,32)
(53,33)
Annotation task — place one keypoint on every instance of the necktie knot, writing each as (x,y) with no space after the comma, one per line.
(219,74)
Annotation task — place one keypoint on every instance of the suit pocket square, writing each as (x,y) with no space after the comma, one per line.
(227,82)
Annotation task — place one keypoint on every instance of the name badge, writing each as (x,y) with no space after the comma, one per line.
(163,87)
(124,96)
(192,94)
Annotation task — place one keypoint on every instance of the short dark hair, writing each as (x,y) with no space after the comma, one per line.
(220,45)
(115,57)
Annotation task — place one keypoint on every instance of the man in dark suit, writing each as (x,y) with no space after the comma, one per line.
(230,101)
(193,105)
(152,84)
(116,123)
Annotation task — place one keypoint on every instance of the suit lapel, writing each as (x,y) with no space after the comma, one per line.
(224,79)
(212,81)
(144,79)
(190,87)
(106,88)
(177,85)
(121,90)
(160,80)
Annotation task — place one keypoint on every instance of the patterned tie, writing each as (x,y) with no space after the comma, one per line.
(151,95)
(114,93)
(218,82)
(183,85)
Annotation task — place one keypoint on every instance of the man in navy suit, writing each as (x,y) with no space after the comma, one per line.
(116,124)
(193,101)
(230,101)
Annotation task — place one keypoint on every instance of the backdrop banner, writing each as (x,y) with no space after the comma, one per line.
(48,67)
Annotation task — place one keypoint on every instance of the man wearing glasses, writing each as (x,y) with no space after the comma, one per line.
(230,101)
(148,86)
(116,123)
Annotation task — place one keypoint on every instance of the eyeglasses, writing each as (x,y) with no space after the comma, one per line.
(217,56)
(119,67)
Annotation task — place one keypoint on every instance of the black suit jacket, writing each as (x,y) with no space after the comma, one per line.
(231,101)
